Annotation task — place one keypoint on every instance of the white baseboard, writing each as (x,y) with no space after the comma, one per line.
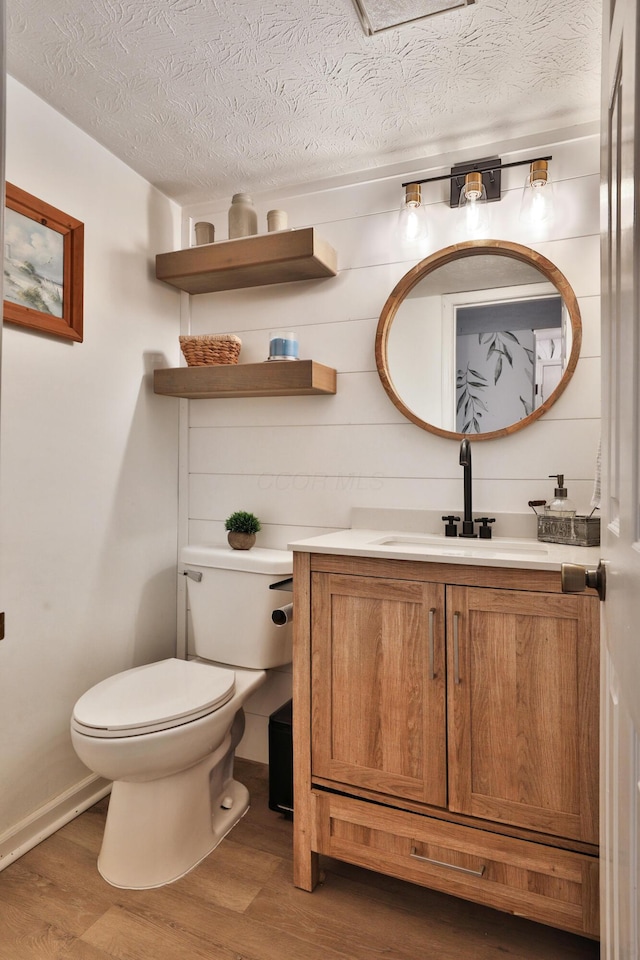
(49,818)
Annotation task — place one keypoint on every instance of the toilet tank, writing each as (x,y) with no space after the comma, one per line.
(230,606)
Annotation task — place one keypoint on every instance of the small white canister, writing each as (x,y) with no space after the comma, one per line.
(204,231)
(277,220)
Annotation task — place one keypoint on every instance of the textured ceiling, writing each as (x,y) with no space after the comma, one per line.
(207,97)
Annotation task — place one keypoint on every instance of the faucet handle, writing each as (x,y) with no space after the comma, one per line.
(485,530)
(451,529)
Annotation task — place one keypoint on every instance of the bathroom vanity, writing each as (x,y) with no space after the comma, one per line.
(446,719)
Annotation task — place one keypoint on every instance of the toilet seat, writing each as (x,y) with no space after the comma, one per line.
(153,697)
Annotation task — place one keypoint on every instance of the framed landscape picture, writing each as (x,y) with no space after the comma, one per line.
(43,266)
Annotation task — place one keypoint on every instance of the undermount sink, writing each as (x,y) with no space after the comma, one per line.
(462,546)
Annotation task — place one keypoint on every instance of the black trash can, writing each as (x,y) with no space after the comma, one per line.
(281,760)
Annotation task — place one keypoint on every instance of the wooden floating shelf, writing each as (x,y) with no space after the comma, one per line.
(249,262)
(284,378)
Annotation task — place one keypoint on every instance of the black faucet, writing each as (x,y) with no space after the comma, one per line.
(465,461)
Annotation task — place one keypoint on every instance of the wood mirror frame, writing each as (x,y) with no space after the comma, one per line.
(458,251)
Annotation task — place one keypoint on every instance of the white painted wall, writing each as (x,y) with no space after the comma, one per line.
(301,464)
(89,455)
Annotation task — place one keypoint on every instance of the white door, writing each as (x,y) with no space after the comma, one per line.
(620,691)
(547,379)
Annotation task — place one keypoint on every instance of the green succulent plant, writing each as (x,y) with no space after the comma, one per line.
(242,522)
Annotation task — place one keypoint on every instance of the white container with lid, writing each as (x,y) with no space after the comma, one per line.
(243,219)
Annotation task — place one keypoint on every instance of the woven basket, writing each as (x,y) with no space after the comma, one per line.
(211,348)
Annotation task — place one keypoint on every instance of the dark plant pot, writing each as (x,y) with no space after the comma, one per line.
(241,541)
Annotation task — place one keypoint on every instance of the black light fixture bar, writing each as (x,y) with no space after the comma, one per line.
(482,166)
(490,168)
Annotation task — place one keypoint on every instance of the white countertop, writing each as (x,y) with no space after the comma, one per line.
(497,552)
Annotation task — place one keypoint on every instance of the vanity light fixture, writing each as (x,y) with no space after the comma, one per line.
(475,184)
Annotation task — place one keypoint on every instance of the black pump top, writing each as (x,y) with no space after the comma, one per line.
(560,491)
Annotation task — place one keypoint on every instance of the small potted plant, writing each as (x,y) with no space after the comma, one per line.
(242,527)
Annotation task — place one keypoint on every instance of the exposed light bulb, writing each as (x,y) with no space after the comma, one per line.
(474,189)
(476,217)
(473,200)
(537,206)
(413,225)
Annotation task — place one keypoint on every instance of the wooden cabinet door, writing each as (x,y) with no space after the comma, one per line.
(523,709)
(378,685)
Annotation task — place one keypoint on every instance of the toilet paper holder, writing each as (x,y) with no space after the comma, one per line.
(193,575)
(283,615)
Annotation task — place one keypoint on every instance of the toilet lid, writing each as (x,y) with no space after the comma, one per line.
(153,697)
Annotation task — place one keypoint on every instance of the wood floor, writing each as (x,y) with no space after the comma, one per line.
(239,904)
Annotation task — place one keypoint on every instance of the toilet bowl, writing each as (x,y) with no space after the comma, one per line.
(165,733)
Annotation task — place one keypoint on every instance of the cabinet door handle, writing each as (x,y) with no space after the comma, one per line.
(449,866)
(456,648)
(432,618)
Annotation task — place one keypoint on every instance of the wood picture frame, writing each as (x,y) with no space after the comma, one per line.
(43,266)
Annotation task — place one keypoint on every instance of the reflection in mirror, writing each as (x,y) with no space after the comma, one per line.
(478,340)
(505,353)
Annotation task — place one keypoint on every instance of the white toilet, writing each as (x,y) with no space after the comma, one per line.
(166,733)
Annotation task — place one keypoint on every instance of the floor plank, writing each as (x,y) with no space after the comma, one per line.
(224,932)
(26,938)
(240,904)
(129,936)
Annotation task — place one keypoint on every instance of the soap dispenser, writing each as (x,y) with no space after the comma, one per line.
(561,505)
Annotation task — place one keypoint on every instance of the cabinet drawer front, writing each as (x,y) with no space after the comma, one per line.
(556,887)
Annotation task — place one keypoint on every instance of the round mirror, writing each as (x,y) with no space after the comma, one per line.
(479,339)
